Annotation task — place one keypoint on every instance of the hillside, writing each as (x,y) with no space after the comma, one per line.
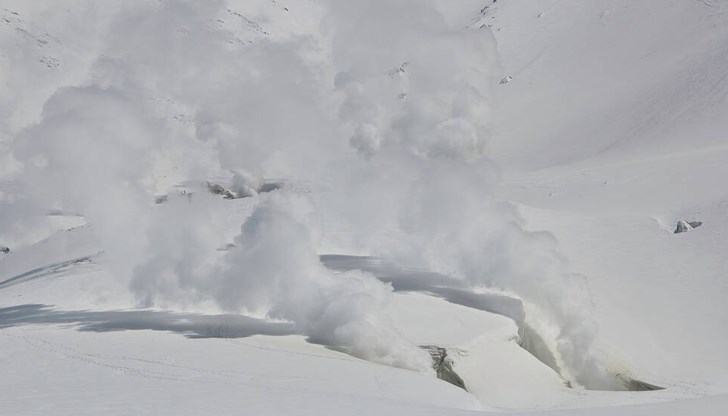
(324,207)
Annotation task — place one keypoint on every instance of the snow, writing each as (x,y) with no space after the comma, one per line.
(151,372)
(499,181)
(612,208)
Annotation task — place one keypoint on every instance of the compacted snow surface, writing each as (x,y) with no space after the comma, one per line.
(279,207)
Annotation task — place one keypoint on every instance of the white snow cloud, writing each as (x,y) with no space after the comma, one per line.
(416,99)
(386,105)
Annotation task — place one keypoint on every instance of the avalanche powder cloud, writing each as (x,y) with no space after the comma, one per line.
(385,105)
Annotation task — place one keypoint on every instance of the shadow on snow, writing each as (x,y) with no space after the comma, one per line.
(189,325)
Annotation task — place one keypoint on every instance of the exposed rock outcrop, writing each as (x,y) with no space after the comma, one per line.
(442,364)
(685,226)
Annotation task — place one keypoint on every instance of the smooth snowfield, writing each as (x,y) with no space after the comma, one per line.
(393,194)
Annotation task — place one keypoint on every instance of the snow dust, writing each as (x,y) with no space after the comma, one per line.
(386,125)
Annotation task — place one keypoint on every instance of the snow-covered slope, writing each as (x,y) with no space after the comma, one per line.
(394,195)
(611,130)
(615,81)
(630,140)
